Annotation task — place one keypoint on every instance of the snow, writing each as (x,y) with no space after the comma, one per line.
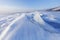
(30,26)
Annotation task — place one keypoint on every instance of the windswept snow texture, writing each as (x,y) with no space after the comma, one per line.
(31,26)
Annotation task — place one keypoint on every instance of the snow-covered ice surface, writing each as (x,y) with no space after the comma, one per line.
(30,26)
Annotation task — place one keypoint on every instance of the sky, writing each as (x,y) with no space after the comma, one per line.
(18,5)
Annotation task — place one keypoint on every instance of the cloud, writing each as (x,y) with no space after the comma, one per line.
(9,9)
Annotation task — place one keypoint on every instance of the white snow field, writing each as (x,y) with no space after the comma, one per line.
(30,26)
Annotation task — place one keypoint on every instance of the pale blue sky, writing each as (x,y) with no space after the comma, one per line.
(28,4)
